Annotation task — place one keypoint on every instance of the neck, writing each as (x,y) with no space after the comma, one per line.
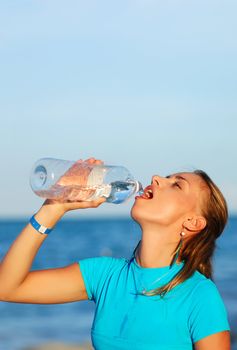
(156,251)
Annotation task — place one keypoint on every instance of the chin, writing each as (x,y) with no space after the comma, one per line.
(137,213)
(146,215)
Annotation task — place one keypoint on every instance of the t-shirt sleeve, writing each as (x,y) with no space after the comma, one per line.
(208,314)
(95,272)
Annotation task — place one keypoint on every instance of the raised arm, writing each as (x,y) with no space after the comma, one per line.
(50,286)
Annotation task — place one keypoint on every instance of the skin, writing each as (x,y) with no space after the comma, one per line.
(162,218)
(173,209)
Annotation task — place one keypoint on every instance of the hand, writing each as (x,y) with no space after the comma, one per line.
(67,206)
(70,178)
(78,173)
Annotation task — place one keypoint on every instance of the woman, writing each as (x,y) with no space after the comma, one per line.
(163,297)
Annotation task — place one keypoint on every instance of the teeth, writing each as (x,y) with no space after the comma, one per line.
(149,193)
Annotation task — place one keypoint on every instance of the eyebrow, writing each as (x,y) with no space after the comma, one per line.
(178,177)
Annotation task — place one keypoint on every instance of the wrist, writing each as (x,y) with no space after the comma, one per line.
(38,227)
(53,208)
(49,214)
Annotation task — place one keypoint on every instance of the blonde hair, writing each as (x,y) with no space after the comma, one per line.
(197,251)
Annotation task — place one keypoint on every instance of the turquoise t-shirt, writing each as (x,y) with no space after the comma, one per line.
(124,320)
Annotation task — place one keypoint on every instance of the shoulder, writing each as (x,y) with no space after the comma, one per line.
(97,272)
(206,297)
(207,310)
(204,286)
(205,291)
(103,263)
(107,260)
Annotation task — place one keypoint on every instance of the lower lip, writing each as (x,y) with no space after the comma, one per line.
(138,197)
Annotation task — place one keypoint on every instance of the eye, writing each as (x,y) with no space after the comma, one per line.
(177,184)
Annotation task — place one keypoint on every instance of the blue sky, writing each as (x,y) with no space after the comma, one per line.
(150,85)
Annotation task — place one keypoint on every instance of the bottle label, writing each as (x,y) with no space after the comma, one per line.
(96,181)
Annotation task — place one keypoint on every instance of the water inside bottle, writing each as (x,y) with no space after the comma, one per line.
(122,190)
(116,192)
(75,192)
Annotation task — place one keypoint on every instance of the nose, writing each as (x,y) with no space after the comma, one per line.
(157,179)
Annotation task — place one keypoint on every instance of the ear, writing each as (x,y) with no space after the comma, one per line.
(196,223)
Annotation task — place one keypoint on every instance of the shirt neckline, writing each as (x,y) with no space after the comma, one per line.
(157,269)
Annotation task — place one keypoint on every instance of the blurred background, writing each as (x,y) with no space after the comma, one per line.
(147,84)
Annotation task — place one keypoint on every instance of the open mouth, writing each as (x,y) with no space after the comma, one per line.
(148,193)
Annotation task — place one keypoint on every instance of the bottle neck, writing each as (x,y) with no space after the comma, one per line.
(139,188)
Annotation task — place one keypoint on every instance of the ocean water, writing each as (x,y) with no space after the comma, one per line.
(24,325)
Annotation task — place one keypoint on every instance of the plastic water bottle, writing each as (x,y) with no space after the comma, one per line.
(81,181)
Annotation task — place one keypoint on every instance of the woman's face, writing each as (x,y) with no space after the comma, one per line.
(173,197)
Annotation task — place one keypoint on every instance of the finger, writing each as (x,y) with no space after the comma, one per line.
(90,160)
(84,204)
(101,200)
(77,205)
(98,202)
(98,161)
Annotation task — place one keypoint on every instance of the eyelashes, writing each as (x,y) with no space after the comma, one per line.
(177,184)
